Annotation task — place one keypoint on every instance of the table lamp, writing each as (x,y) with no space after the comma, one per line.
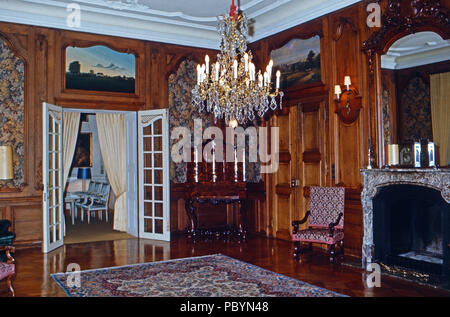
(6,162)
(84,173)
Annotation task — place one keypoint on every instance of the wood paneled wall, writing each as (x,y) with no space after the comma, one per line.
(42,50)
(322,149)
(327,151)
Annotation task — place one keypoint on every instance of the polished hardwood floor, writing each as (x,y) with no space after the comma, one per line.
(34,268)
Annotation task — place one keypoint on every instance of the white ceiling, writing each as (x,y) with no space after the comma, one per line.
(183,22)
(416,49)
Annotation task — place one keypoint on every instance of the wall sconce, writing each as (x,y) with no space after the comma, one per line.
(6,162)
(348,104)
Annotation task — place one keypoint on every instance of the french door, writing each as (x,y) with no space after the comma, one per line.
(154,186)
(53,203)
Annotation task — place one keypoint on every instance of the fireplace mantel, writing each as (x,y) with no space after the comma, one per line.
(374,179)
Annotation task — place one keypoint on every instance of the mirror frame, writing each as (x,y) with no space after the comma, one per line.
(401,18)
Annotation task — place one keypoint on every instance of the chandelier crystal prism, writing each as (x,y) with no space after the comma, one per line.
(230,88)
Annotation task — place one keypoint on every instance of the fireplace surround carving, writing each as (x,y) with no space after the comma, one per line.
(374,179)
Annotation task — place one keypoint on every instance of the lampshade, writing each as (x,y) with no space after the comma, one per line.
(347,81)
(84,173)
(6,162)
(337,90)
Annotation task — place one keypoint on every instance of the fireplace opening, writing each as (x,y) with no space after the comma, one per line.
(410,228)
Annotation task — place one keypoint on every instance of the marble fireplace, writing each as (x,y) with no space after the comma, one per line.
(406,217)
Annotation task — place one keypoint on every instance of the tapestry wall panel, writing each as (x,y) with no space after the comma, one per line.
(12,110)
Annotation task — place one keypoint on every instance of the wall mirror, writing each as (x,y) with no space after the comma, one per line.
(407,62)
(414,73)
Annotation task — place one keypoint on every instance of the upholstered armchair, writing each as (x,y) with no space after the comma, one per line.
(7,267)
(326,220)
(95,202)
(6,237)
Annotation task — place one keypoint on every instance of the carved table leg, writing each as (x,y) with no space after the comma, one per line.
(190,210)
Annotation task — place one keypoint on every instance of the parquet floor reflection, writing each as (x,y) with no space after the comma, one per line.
(34,268)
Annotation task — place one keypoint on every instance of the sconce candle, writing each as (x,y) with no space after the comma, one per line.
(6,162)
(337,91)
(347,82)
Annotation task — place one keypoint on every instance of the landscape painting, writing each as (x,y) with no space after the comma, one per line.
(298,62)
(100,68)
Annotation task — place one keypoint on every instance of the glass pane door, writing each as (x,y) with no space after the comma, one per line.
(52,176)
(154,198)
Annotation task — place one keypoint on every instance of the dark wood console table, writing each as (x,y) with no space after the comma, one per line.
(215,194)
(215,183)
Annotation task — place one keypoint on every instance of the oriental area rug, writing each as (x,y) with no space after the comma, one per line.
(206,276)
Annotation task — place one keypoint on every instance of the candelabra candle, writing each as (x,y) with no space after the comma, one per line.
(235,165)
(214,161)
(196,164)
(243,166)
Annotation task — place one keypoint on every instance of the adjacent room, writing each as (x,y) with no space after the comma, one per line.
(241,149)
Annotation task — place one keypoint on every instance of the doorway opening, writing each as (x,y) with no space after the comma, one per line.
(88,198)
(126,138)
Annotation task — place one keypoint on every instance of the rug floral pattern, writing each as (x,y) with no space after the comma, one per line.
(207,276)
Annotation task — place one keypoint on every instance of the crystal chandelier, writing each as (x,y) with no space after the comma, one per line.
(230,88)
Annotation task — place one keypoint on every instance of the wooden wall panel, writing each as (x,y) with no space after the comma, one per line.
(43,52)
(324,142)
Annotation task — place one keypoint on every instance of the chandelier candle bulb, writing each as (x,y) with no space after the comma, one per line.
(246,62)
(207,63)
(347,82)
(278,79)
(269,69)
(260,80)
(217,70)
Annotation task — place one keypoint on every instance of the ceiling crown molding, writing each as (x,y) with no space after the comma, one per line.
(190,26)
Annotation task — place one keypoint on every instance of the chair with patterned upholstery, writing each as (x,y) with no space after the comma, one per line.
(7,267)
(326,220)
(6,236)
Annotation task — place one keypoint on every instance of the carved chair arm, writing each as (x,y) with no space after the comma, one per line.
(8,249)
(297,223)
(334,224)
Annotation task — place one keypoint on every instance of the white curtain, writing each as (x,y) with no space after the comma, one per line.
(71,123)
(440,114)
(112,138)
